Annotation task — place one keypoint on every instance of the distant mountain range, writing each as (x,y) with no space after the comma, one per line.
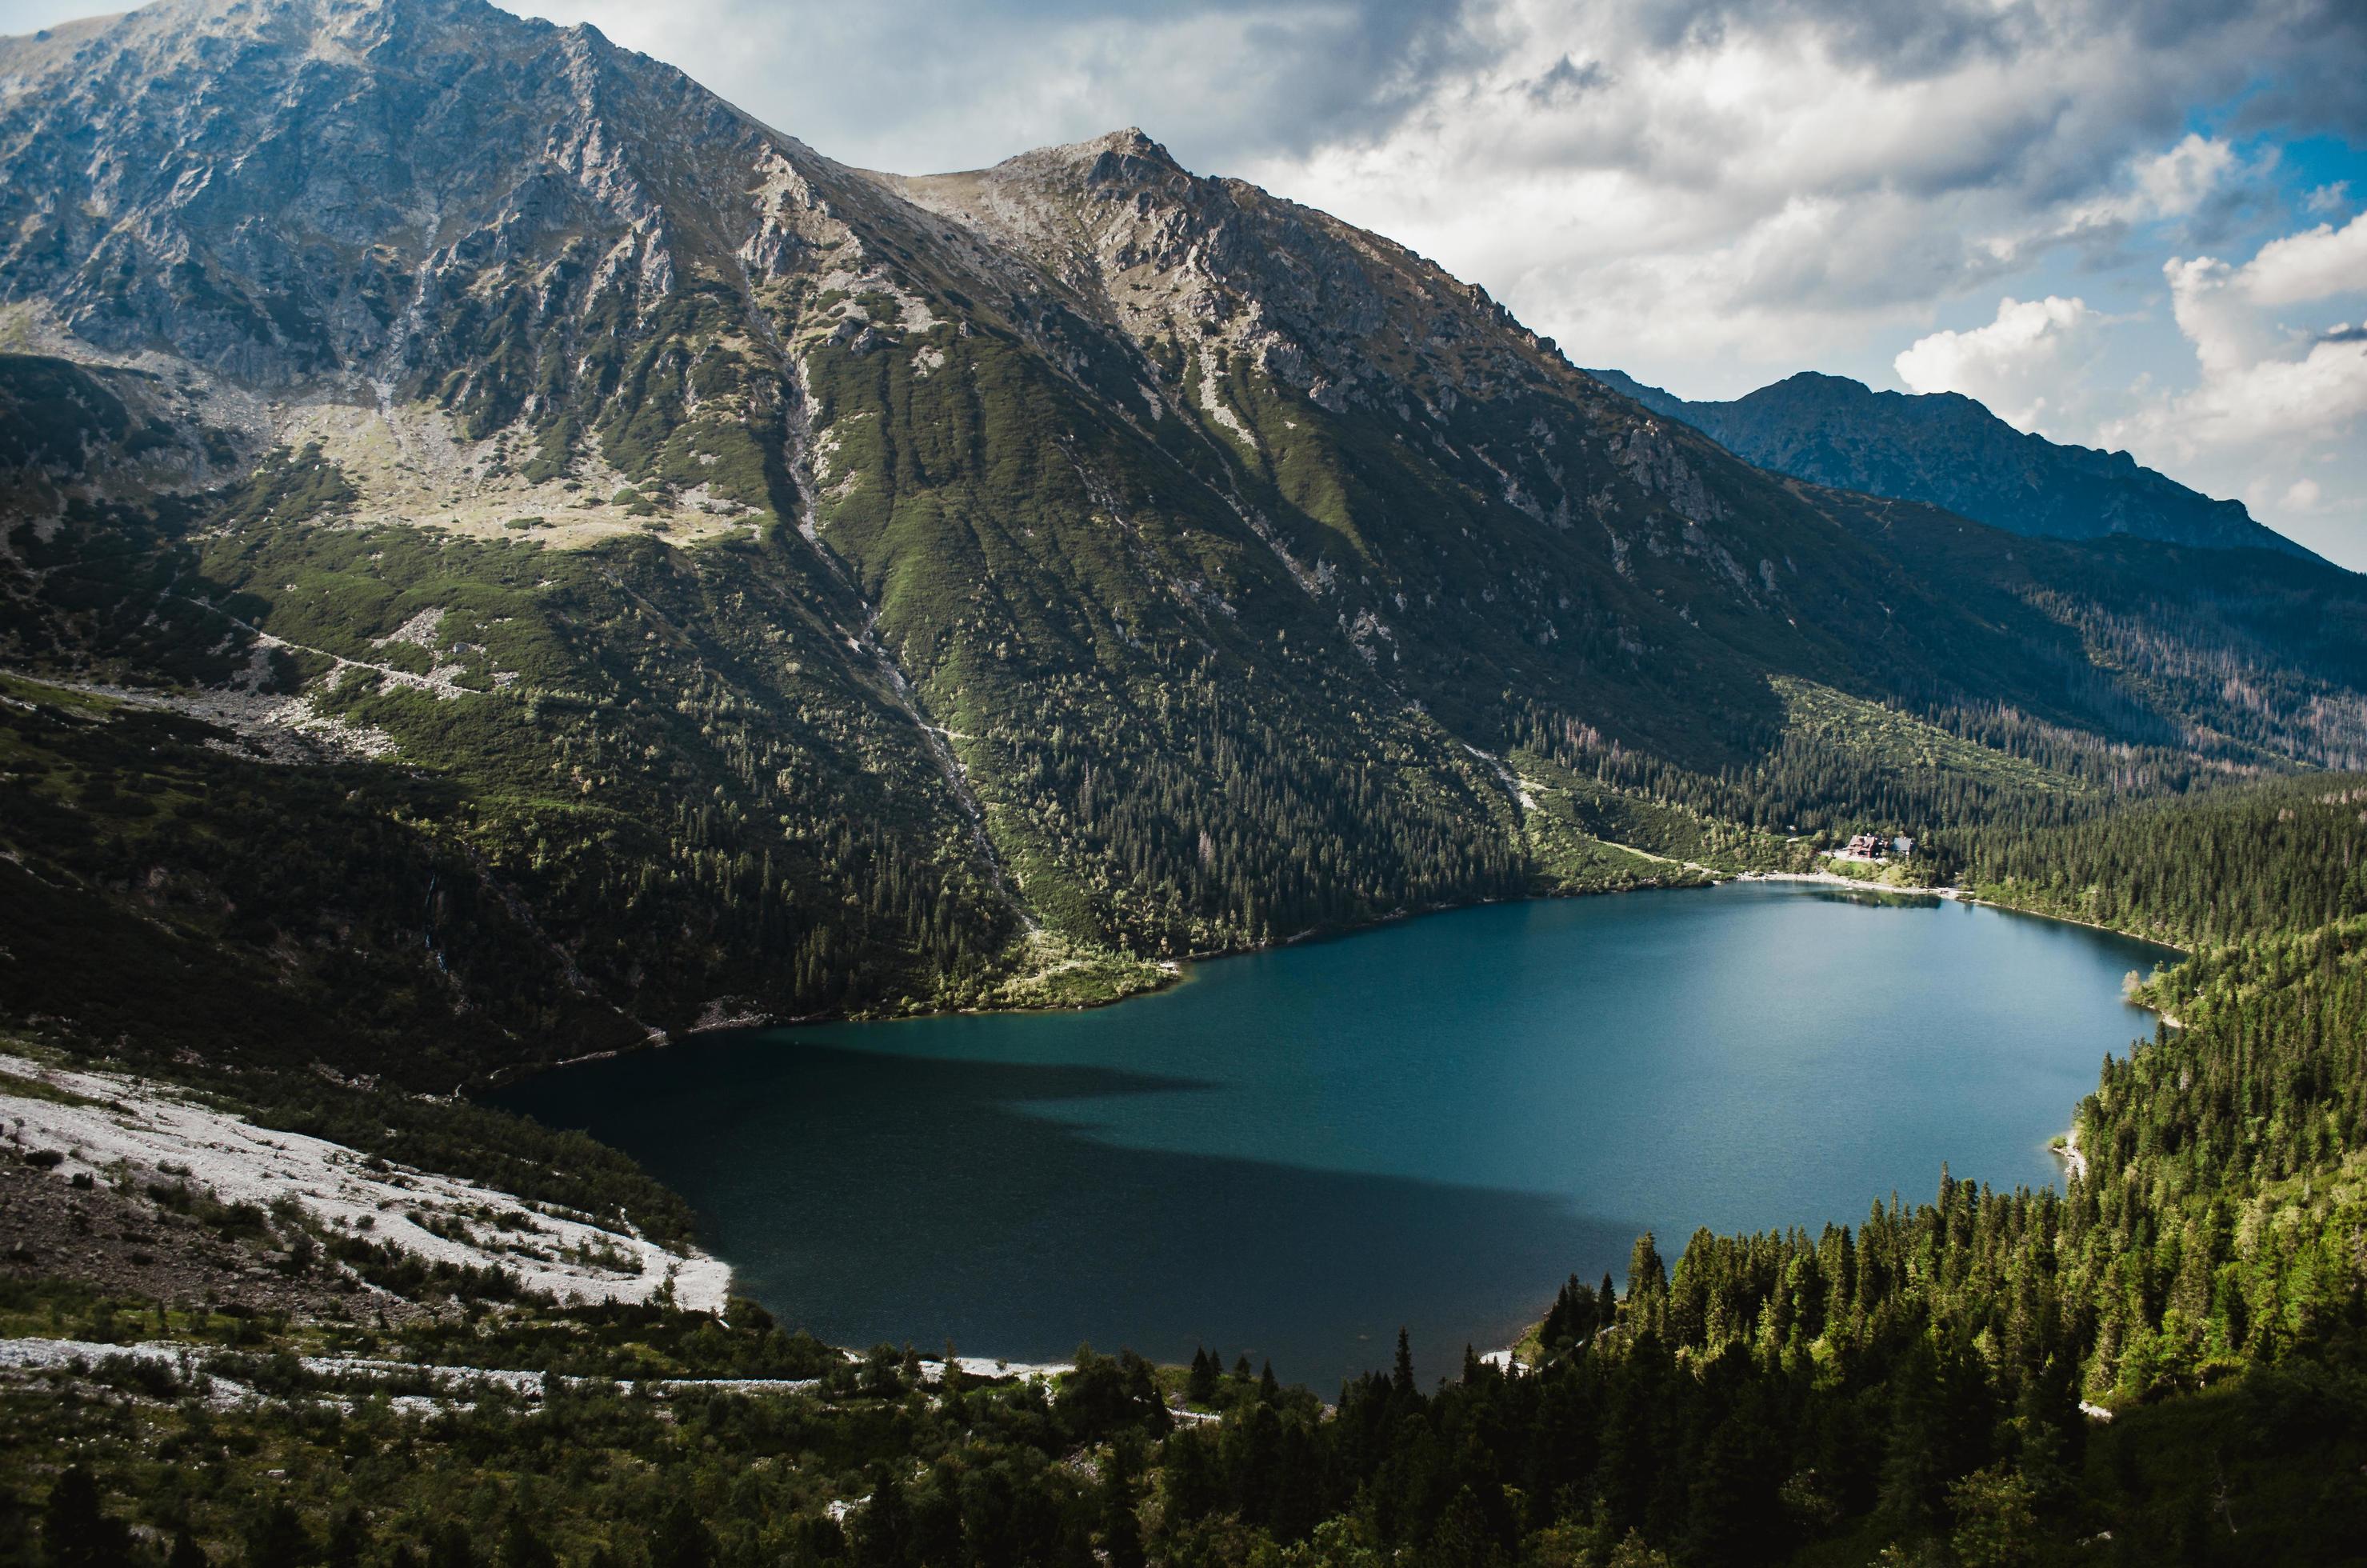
(715,582)
(1948,451)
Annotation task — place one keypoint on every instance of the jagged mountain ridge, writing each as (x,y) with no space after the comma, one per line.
(1950,451)
(820,588)
(738,212)
(601,215)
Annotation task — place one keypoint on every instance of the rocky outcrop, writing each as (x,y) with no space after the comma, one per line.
(848,590)
(1168,255)
(537,278)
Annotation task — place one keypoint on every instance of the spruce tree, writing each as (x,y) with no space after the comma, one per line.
(276,1538)
(451,1548)
(348,1538)
(1646,1276)
(74,1532)
(522,1548)
(1202,1388)
(681,1539)
(1121,1531)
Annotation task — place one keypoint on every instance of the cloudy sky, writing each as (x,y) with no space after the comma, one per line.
(2126,224)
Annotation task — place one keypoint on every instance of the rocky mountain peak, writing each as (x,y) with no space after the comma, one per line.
(1120,541)
(289,189)
(1125,157)
(1949,450)
(284,188)
(1212,268)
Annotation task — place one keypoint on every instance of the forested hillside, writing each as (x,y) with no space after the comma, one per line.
(2159,1363)
(2225,867)
(503,558)
(725,585)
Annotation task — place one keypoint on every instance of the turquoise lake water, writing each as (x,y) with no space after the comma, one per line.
(1430,1124)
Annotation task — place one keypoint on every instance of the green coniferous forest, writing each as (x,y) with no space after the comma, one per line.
(506,558)
(2161,1363)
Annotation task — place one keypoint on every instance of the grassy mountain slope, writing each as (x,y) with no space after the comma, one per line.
(800,589)
(502,555)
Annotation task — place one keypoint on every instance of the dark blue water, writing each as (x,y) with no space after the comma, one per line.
(1430,1125)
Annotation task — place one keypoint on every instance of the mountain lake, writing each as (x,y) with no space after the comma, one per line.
(1426,1125)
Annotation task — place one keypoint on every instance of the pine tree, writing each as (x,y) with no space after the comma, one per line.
(1646,1276)
(348,1538)
(1202,1388)
(276,1538)
(75,1533)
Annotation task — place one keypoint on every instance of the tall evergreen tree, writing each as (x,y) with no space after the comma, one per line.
(76,1531)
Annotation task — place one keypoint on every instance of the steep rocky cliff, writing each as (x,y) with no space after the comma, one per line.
(713,582)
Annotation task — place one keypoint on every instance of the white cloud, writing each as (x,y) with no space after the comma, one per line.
(2209,303)
(2015,364)
(1710,193)
(2176,182)
(2270,393)
(2311,266)
(2281,404)
(2167,184)
(923,86)
(2260,380)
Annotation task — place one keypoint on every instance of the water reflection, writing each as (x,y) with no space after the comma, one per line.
(963,1217)
(1430,1124)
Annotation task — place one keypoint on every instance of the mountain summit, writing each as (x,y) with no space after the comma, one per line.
(1949,450)
(786,587)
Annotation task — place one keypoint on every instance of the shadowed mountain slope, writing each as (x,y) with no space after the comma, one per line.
(1948,451)
(809,589)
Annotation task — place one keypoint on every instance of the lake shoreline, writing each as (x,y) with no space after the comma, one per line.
(1180,972)
(2184,953)
(1302,1031)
